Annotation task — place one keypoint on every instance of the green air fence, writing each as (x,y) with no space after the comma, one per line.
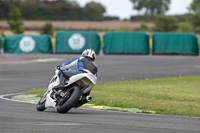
(76,42)
(0,42)
(28,44)
(175,43)
(126,43)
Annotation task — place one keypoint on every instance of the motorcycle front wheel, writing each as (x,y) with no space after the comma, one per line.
(73,99)
(41,104)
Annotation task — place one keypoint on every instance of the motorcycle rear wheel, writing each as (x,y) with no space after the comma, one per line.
(73,99)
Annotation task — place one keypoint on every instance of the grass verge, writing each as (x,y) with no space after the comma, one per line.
(169,96)
(38,93)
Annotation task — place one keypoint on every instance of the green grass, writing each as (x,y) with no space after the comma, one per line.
(102,44)
(38,93)
(169,96)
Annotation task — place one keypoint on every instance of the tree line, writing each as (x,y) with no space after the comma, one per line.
(71,10)
(54,10)
(153,11)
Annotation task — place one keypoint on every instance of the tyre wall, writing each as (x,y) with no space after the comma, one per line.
(0,43)
(126,43)
(28,44)
(76,42)
(175,43)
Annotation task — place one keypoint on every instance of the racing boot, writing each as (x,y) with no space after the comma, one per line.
(61,86)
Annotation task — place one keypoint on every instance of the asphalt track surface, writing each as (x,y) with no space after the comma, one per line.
(20,73)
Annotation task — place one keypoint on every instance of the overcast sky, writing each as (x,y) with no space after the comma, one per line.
(124,8)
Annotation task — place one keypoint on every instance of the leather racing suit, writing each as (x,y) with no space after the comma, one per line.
(76,66)
(79,65)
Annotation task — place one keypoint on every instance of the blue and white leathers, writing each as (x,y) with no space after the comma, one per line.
(78,65)
(75,66)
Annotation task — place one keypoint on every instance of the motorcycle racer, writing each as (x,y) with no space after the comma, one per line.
(83,64)
(86,61)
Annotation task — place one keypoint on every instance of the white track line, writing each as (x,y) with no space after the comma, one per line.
(8,99)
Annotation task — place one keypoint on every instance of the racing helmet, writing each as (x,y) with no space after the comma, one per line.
(89,53)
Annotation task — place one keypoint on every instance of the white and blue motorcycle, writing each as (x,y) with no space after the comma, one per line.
(73,95)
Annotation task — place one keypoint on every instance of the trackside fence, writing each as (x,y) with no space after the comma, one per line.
(28,44)
(126,43)
(175,43)
(0,42)
(76,42)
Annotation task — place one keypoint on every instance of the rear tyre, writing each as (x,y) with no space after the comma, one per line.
(41,104)
(73,99)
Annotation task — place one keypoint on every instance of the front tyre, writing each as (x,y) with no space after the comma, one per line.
(73,99)
(41,104)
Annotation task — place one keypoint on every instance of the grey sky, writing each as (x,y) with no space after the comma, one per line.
(124,8)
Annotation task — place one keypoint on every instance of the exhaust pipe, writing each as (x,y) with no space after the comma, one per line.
(88,98)
(83,101)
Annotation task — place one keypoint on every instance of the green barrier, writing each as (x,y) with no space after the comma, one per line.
(28,44)
(175,43)
(0,43)
(76,42)
(126,43)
